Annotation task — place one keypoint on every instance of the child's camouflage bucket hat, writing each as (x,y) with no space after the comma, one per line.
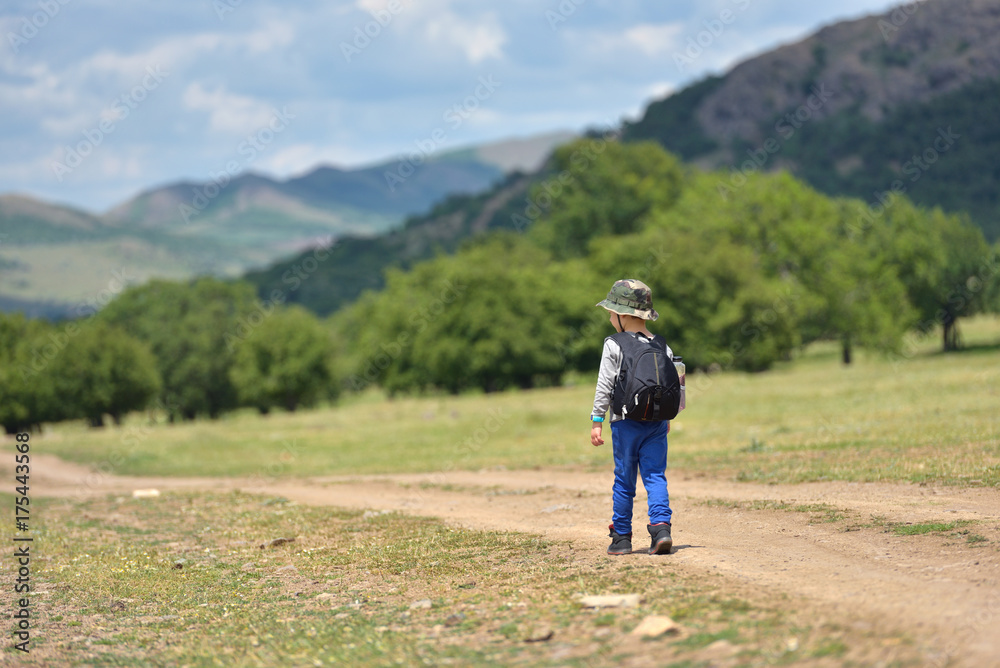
(631,297)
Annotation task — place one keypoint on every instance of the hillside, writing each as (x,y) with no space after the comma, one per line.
(24,220)
(54,258)
(356,264)
(850,108)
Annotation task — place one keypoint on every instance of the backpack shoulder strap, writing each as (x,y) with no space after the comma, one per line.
(628,341)
(623,339)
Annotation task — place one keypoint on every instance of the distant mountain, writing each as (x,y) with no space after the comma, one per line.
(858,106)
(54,257)
(58,261)
(30,221)
(323,283)
(326,198)
(364,200)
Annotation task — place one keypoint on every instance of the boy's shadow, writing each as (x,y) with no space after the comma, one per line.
(677,548)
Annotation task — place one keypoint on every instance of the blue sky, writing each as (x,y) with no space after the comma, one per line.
(101,99)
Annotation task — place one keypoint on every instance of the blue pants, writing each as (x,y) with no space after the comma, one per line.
(639,446)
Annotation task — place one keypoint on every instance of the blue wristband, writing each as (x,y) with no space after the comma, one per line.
(594,418)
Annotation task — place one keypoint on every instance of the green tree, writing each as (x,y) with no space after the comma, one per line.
(493,316)
(717,307)
(942,260)
(844,291)
(991,279)
(963,288)
(26,348)
(602,188)
(103,371)
(193,330)
(285,361)
(863,302)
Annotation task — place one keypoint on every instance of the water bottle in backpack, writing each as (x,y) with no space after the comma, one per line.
(679,365)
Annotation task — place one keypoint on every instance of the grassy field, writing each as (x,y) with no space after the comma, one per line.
(923,416)
(182,580)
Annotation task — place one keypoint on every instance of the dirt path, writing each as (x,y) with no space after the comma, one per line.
(943,590)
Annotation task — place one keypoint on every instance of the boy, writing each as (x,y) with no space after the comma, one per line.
(636,445)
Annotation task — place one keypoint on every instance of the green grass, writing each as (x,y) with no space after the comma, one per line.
(699,640)
(832,648)
(925,417)
(925,527)
(201,592)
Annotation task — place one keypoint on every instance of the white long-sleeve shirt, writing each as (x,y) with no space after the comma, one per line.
(611,366)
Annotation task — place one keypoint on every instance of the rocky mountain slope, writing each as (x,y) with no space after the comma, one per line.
(858,105)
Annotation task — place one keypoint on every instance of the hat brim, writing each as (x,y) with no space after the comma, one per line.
(628,310)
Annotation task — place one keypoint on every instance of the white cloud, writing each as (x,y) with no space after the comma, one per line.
(43,88)
(33,169)
(68,124)
(659,89)
(169,54)
(653,39)
(483,117)
(184,49)
(292,159)
(650,39)
(301,158)
(477,40)
(372,6)
(119,165)
(275,36)
(228,112)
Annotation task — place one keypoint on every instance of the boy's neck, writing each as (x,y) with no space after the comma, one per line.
(639,328)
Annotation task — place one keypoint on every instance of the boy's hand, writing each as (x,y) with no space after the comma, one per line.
(595,434)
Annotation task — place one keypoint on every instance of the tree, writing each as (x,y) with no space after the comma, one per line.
(942,260)
(284,361)
(843,290)
(493,316)
(601,188)
(26,348)
(862,300)
(991,280)
(964,284)
(102,371)
(193,330)
(717,307)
